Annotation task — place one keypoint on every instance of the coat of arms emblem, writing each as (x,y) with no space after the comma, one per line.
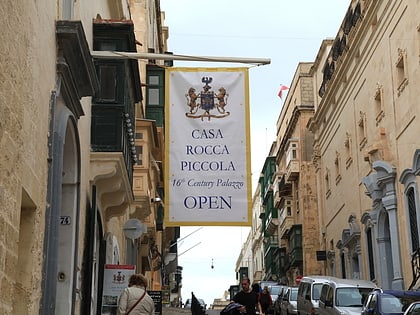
(118,278)
(207,103)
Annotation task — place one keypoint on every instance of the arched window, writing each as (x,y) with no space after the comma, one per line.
(371,261)
(412,216)
(409,179)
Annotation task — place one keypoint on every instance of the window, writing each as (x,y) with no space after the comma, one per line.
(347,146)
(153,79)
(154,89)
(296,237)
(107,75)
(153,93)
(327,182)
(289,208)
(291,153)
(409,179)
(412,215)
(371,261)
(337,164)
(343,265)
(67,9)
(111,78)
(401,70)
(362,130)
(139,151)
(153,96)
(379,103)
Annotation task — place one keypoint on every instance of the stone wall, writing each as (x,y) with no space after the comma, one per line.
(27,72)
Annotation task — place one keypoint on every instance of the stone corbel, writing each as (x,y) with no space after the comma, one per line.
(114,191)
(115,211)
(140,208)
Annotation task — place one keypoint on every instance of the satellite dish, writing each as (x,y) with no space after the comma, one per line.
(133,229)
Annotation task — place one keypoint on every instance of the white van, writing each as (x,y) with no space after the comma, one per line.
(309,291)
(344,296)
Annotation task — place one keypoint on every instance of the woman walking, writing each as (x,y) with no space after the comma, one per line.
(134,300)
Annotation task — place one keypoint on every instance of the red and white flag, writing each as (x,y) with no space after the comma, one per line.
(282,88)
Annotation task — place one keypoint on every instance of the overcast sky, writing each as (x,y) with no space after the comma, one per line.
(287,32)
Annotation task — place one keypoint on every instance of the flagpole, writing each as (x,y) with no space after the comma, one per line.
(140,55)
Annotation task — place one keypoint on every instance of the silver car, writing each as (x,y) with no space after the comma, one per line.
(289,301)
(344,296)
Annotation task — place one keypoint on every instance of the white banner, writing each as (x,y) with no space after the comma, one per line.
(207,153)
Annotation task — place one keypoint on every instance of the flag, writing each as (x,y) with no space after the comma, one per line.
(282,88)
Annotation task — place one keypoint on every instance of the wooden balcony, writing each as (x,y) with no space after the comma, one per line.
(292,170)
(286,224)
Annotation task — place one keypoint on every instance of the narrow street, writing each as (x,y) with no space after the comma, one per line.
(183,311)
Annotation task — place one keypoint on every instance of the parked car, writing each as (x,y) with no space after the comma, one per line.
(267,283)
(309,292)
(413,309)
(288,305)
(385,302)
(280,290)
(276,291)
(277,303)
(344,296)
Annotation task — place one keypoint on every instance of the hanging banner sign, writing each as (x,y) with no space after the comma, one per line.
(207,153)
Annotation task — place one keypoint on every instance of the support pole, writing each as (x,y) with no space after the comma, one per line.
(139,55)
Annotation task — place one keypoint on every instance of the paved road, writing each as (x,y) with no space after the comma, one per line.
(182,311)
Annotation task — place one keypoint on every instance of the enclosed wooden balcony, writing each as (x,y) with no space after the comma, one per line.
(292,170)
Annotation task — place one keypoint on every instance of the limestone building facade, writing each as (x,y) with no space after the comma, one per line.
(345,164)
(251,256)
(295,182)
(365,146)
(68,154)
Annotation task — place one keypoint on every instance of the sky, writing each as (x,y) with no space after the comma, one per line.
(286,32)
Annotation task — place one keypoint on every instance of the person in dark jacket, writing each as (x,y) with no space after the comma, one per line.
(196,308)
(256,288)
(265,300)
(248,298)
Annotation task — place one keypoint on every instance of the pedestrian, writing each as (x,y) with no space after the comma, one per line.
(134,299)
(256,287)
(248,298)
(266,301)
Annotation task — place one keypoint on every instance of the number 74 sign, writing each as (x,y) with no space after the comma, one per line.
(65,220)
